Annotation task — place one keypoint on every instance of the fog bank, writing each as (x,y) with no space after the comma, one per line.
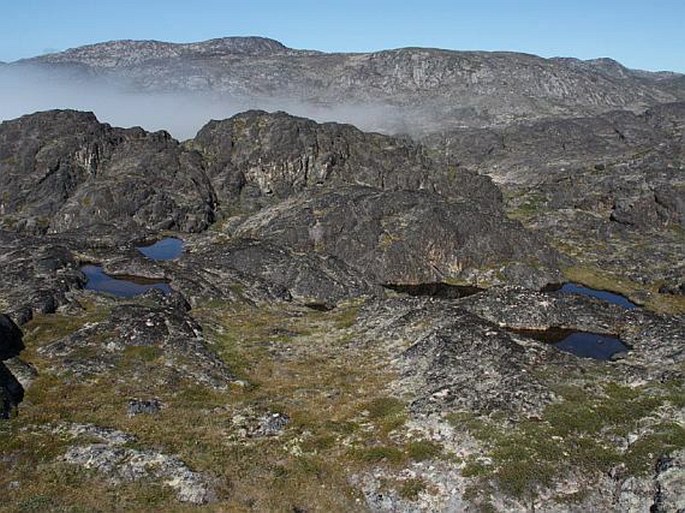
(25,90)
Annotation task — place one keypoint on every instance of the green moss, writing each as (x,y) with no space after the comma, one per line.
(420,450)
(133,354)
(410,489)
(382,407)
(642,455)
(527,205)
(37,503)
(387,413)
(346,316)
(379,454)
(575,433)
(475,468)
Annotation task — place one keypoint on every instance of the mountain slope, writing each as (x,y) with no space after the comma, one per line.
(425,89)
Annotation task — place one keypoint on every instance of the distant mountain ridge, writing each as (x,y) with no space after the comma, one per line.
(429,89)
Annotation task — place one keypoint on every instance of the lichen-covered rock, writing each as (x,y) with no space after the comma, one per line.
(161,333)
(452,360)
(670,483)
(119,463)
(38,274)
(143,406)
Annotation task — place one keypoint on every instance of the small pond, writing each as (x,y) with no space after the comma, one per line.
(610,297)
(580,343)
(439,290)
(165,249)
(121,286)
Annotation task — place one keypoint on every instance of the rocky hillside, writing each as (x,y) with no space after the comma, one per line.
(422,89)
(619,176)
(285,315)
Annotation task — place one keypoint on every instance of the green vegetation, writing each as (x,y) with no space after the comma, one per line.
(294,360)
(574,434)
(526,206)
(411,488)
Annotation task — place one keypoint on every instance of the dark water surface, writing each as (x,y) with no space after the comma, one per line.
(610,297)
(165,249)
(121,286)
(439,290)
(580,343)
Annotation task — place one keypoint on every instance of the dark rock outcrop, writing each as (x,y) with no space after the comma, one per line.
(11,392)
(404,237)
(11,344)
(62,170)
(10,338)
(307,278)
(261,158)
(618,177)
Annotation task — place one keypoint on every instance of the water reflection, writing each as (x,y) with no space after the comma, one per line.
(576,288)
(165,249)
(121,286)
(580,343)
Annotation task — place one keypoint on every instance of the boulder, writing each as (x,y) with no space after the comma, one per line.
(10,338)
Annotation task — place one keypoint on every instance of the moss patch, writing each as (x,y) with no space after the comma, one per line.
(574,435)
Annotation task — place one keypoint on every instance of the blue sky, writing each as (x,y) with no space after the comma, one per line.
(641,34)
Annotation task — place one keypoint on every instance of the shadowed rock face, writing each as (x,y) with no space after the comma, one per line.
(400,236)
(63,169)
(421,222)
(10,338)
(11,391)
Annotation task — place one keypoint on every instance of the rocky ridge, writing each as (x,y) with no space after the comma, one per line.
(421,89)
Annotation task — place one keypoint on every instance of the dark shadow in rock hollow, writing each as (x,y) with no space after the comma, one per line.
(437,290)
